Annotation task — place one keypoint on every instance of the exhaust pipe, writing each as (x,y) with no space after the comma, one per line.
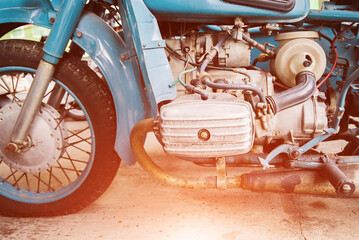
(136,141)
(300,181)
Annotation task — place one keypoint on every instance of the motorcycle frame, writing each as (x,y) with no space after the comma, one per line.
(137,82)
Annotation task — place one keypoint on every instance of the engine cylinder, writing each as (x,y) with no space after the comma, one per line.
(220,126)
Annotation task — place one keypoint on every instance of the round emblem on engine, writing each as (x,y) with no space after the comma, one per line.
(204,134)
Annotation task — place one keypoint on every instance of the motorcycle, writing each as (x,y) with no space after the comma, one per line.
(219,82)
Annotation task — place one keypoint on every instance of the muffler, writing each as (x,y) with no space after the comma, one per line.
(300,181)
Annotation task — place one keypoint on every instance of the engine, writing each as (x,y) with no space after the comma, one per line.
(255,111)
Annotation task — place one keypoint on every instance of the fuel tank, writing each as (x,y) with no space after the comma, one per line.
(225,11)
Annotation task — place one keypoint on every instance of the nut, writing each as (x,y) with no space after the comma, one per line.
(11,147)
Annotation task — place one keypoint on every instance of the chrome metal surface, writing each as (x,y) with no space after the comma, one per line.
(228,120)
(47,139)
(32,103)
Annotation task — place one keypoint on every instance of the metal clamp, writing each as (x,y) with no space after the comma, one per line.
(221,173)
(129,54)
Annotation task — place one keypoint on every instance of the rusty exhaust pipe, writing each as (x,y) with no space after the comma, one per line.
(298,181)
(281,181)
(136,140)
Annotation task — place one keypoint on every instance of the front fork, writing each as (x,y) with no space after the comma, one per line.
(54,48)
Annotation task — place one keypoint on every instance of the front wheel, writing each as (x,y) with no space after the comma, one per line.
(69,163)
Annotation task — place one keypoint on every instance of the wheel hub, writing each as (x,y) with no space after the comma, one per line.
(48,139)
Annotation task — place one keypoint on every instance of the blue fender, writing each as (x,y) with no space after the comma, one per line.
(104,46)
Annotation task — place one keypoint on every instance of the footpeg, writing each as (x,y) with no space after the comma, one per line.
(342,184)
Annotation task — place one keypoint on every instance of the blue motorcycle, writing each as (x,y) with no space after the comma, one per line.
(219,82)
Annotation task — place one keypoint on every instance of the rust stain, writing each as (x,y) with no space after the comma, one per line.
(289,183)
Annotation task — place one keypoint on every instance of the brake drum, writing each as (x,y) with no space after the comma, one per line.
(47,139)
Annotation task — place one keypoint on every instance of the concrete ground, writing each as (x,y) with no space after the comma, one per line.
(136,206)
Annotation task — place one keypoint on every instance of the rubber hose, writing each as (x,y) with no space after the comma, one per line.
(304,90)
(252,88)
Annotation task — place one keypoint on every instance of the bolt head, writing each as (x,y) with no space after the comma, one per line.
(79,34)
(123,56)
(291,165)
(295,154)
(307,63)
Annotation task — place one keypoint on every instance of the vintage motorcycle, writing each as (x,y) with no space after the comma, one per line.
(219,82)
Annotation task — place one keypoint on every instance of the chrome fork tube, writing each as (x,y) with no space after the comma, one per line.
(19,135)
(61,32)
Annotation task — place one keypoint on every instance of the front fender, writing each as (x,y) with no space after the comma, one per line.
(104,46)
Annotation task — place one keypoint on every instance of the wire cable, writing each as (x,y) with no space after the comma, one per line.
(336,55)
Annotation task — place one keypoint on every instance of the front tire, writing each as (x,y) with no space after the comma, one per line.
(86,164)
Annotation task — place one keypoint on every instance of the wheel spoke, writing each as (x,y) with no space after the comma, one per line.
(27,182)
(75,160)
(77,133)
(16,182)
(11,175)
(63,170)
(39,180)
(82,150)
(16,84)
(6,89)
(72,163)
(51,174)
(63,115)
(47,94)
(14,87)
(69,169)
(80,141)
(7,86)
